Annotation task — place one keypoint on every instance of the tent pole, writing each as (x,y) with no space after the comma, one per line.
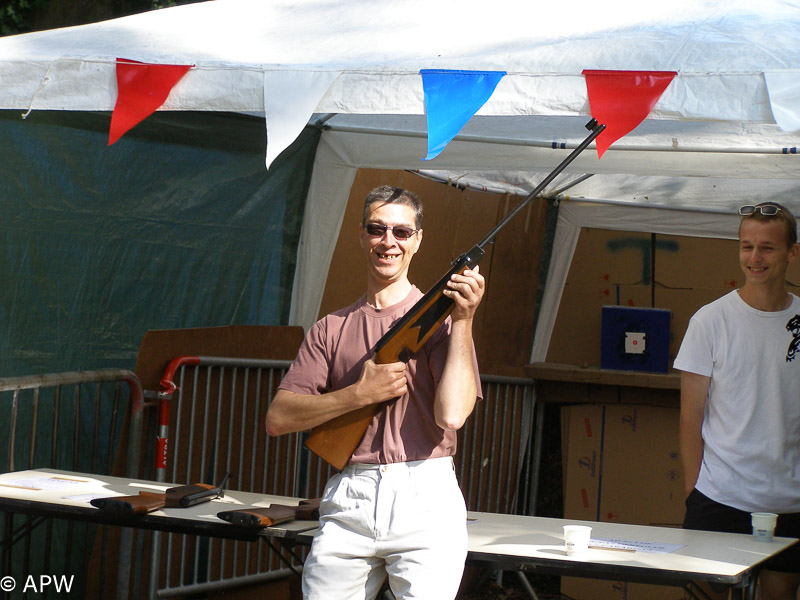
(682,208)
(562,145)
(433,176)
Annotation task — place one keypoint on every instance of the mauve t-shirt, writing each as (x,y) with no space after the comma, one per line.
(331,357)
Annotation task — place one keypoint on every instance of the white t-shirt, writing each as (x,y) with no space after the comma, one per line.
(751,427)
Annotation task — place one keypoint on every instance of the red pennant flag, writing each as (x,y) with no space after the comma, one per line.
(141,89)
(622,100)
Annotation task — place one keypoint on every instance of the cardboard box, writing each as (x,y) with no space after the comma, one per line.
(580,588)
(582,460)
(621,465)
(641,468)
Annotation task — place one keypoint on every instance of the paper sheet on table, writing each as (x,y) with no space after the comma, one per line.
(87,498)
(42,483)
(636,546)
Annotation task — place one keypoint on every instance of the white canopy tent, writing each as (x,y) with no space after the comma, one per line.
(710,144)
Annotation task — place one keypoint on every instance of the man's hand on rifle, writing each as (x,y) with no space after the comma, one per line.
(290,412)
(466,290)
(379,383)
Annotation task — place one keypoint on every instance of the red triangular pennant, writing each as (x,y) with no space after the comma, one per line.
(622,99)
(141,89)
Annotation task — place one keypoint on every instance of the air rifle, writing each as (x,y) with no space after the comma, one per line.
(182,496)
(256,518)
(336,440)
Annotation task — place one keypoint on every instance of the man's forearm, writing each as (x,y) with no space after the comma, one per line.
(290,412)
(691,444)
(457,391)
(694,393)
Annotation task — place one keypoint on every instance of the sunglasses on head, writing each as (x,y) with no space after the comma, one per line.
(767,210)
(400,232)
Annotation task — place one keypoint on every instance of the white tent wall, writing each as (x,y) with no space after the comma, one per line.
(325,205)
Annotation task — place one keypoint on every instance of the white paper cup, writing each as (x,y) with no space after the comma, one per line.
(576,538)
(763,525)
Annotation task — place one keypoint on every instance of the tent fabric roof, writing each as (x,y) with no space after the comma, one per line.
(714,120)
(721,49)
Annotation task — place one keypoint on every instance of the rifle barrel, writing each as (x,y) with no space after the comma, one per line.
(595,130)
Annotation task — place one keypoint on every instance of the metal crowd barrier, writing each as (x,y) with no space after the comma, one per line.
(211,422)
(67,421)
(496,446)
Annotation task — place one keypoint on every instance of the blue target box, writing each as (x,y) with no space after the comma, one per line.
(635,339)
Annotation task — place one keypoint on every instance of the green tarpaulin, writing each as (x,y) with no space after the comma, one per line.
(176,225)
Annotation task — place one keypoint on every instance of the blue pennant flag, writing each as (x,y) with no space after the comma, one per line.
(451,98)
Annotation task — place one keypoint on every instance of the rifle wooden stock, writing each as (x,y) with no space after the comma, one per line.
(181,496)
(274,514)
(124,506)
(336,440)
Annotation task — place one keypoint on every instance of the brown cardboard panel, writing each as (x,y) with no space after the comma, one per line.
(511,291)
(158,347)
(683,262)
(580,588)
(564,422)
(608,267)
(622,464)
(634,296)
(576,333)
(642,474)
(584,460)
(604,257)
(793,277)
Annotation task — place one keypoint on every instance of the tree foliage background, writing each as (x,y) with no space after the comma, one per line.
(23,16)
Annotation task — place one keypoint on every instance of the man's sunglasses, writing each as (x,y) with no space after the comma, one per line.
(767,210)
(400,232)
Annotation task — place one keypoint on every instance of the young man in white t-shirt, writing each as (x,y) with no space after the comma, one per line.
(740,398)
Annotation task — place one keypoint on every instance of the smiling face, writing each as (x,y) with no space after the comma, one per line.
(389,258)
(764,253)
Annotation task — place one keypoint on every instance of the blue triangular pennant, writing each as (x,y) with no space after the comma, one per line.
(451,98)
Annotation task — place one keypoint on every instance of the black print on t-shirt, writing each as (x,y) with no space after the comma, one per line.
(793,326)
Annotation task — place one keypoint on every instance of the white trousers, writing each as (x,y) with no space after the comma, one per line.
(404,520)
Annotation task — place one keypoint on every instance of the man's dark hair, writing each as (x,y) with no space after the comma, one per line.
(387,194)
(783,215)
